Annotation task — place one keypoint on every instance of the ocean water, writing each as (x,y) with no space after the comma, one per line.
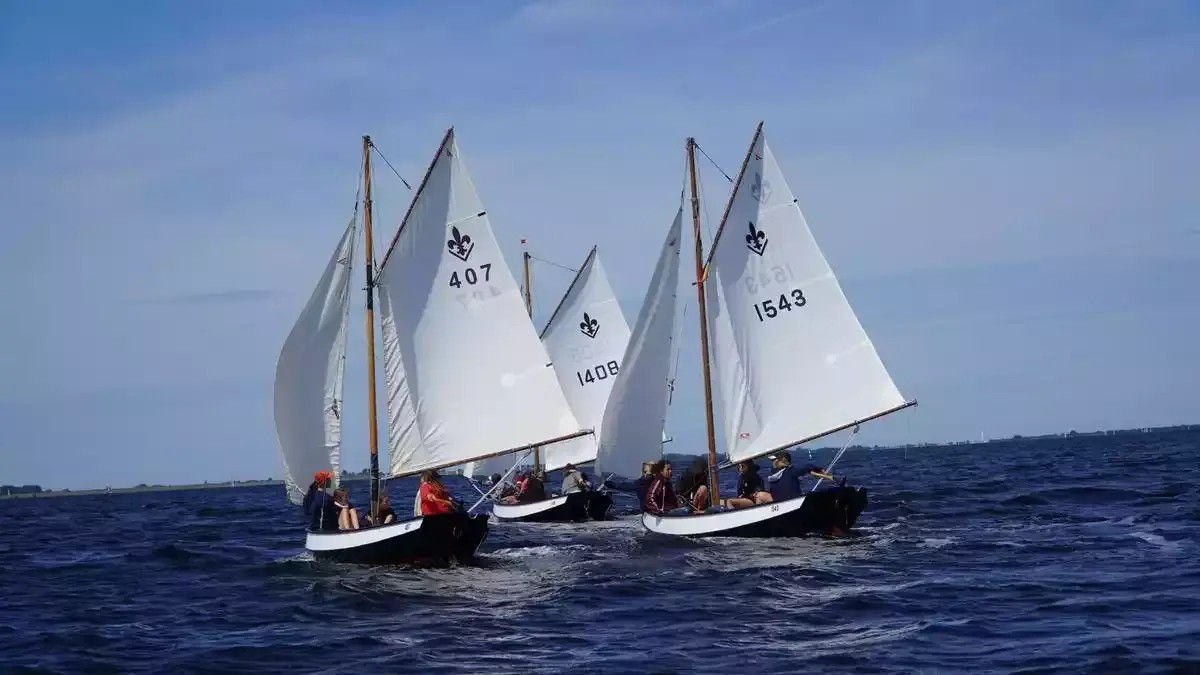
(1073,555)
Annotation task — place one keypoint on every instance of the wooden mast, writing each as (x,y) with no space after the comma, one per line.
(714,488)
(537,454)
(373,427)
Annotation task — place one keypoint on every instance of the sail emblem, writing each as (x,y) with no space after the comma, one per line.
(589,326)
(461,245)
(757,240)
(760,189)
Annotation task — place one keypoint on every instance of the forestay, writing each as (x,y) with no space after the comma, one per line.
(792,360)
(633,422)
(466,374)
(309,375)
(585,338)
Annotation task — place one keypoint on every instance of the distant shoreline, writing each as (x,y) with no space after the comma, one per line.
(141,488)
(1069,435)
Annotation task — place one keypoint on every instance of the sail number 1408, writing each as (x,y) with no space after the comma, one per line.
(597,373)
(770,308)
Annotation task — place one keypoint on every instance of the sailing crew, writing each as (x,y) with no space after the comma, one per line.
(693,485)
(784,483)
(573,481)
(643,483)
(510,493)
(347,515)
(318,505)
(535,488)
(750,487)
(660,498)
(432,495)
(386,515)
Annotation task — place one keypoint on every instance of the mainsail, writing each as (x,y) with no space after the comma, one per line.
(793,362)
(585,338)
(465,372)
(309,375)
(633,422)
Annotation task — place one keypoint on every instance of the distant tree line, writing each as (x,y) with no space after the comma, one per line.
(20,489)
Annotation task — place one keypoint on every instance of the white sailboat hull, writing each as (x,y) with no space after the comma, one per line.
(574,507)
(833,512)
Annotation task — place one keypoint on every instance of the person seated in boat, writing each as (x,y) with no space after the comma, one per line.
(347,515)
(660,497)
(693,486)
(586,483)
(535,488)
(643,483)
(318,505)
(751,490)
(784,482)
(573,481)
(512,491)
(386,515)
(432,495)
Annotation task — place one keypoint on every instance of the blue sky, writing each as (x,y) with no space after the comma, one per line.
(1006,190)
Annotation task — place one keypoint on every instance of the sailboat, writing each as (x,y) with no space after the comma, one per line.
(466,377)
(585,338)
(793,363)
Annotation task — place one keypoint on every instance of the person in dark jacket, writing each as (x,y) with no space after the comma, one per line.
(693,485)
(643,483)
(318,505)
(751,490)
(535,488)
(784,483)
(660,498)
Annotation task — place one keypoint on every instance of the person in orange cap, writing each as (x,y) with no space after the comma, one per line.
(318,505)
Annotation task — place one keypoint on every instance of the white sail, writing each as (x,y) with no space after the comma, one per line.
(585,338)
(633,423)
(466,374)
(309,374)
(792,360)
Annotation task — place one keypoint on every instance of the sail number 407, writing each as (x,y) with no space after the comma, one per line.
(471,276)
(597,373)
(770,308)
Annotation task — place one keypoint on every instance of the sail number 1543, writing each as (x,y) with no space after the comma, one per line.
(771,307)
(597,373)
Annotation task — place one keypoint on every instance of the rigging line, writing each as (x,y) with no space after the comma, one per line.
(385,161)
(829,469)
(707,216)
(551,262)
(713,162)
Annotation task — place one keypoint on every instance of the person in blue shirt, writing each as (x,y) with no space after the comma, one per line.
(784,481)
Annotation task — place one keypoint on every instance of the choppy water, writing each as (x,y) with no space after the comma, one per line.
(1077,555)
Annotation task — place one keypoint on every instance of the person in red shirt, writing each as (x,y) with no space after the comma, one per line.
(660,498)
(432,495)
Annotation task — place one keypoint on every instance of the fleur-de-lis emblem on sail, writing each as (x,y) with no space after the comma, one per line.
(760,189)
(333,408)
(589,326)
(460,245)
(757,240)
